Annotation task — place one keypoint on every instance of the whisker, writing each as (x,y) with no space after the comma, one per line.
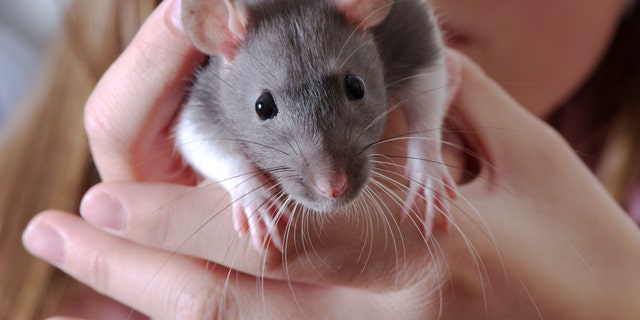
(286,266)
(411,77)
(397,105)
(405,136)
(264,70)
(359,27)
(389,222)
(232,140)
(482,225)
(352,54)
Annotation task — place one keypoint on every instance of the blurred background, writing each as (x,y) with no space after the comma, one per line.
(27,28)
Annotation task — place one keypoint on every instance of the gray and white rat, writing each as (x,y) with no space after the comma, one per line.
(294,97)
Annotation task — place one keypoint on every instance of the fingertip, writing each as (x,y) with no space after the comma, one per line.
(453,64)
(464,68)
(453,60)
(141,93)
(44,240)
(474,87)
(174,16)
(103,209)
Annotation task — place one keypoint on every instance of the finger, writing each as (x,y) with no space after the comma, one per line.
(118,268)
(198,221)
(128,115)
(157,283)
(195,221)
(525,163)
(163,285)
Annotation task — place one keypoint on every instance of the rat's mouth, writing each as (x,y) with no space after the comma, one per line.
(325,205)
(330,205)
(301,194)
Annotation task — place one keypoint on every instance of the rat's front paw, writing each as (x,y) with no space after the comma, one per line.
(257,211)
(432,182)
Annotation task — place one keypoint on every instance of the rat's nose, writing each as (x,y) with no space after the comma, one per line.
(331,187)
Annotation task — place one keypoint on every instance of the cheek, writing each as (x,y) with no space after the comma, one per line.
(541,51)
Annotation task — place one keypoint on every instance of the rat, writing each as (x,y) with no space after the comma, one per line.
(293,98)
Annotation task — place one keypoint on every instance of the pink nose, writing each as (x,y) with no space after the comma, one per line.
(331,187)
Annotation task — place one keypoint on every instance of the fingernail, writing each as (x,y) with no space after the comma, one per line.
(176,14)
(103,210)
(45,242)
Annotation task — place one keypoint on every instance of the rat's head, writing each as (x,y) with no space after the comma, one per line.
(304,89)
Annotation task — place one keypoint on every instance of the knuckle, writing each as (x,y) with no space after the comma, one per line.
(162,228)
(206,301)
(98,123)
(93,121)
(272,263)
(97,271)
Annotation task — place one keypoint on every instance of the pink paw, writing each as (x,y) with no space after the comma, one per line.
(433,183)
(257,212)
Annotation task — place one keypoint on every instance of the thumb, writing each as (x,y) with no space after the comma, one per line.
(505,136)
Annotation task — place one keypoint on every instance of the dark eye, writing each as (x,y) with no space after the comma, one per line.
(354,87)
(266,107)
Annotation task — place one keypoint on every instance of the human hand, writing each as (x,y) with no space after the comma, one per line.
(133,144)
(530,231)
(547,240)
(129,115)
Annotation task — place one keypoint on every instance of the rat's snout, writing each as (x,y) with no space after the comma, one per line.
(331,186)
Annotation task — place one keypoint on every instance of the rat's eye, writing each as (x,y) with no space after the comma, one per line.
(354,87)
(266,107)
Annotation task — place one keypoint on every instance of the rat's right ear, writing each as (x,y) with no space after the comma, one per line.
(364,13)
(215,26)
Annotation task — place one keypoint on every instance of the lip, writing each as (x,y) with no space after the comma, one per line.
(452,37)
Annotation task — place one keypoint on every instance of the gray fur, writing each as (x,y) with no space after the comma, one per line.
(298,51)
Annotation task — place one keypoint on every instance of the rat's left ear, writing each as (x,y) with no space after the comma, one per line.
(364,13)
(215,26)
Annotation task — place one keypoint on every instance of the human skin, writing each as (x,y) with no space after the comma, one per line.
(560,244)
(539,51)
(539,203)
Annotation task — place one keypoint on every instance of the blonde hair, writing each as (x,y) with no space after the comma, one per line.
(623,79)
(45,161)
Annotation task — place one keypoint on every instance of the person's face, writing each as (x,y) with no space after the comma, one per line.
(538,50)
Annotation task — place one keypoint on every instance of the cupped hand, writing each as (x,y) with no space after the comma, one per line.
(533,235)
(128,117)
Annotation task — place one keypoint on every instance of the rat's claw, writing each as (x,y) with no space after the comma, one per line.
(435,188)
(269,217)
(437,204)
(240,223)
(256,212)
(256,231)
